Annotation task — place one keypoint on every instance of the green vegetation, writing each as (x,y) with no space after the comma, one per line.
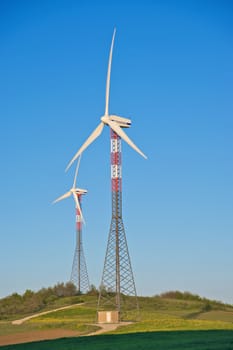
(190,340)
(31,302)
(226,316)
(160,313)
(182,304)
(79,318)
(183,317)
(207,304)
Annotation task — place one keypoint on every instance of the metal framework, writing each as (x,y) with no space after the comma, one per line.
(117,290)
(79,275)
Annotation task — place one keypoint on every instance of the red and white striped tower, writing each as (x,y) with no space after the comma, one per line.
(117,279)
(79,275)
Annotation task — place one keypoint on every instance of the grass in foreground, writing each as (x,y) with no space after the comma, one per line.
(176,340)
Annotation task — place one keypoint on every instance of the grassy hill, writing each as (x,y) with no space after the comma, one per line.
(170,312)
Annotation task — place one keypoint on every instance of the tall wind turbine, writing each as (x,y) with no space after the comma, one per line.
(117,273)
(79,275)
(116,123)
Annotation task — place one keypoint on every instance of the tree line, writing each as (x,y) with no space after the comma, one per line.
(187,296)
(31,302)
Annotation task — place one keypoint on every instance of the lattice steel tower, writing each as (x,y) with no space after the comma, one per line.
(79,275)
(117,279)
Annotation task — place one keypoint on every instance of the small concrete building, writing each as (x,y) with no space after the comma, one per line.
(108,316)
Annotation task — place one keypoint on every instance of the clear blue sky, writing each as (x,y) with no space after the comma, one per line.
(172,74)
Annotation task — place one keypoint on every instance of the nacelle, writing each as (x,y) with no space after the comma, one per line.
(80,191)
(123,122)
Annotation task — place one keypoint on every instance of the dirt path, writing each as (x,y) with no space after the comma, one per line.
(107,327)
(22,320)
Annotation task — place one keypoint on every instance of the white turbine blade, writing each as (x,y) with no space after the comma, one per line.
(109,74)
(76,171)
(66,195)
(77,202)
(90,139)
(123,135)
(78,205)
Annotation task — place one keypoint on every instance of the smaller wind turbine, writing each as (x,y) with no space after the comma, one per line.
(79,275)
(75,191)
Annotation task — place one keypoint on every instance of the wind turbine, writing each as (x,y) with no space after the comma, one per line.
(115,122)
(117,274)
(79,275)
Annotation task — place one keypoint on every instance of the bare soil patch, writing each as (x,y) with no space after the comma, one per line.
(31,336)
(38,335)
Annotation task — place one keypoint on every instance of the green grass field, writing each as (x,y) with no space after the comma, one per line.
(163,324)
(176,340)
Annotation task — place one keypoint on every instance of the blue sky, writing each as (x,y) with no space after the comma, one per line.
(172,75)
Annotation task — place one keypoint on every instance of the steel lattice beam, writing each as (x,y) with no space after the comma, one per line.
(79,275)
(117,283)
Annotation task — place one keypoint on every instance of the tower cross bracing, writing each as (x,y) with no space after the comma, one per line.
(117,278)
(79,275)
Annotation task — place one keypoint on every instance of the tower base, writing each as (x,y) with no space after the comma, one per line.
(117,291)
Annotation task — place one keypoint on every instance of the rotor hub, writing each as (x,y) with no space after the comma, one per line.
(104,119)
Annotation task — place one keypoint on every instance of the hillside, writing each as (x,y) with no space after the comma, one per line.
(171,311)
(30,302)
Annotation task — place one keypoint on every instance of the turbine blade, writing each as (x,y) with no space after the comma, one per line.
(109,74)
(90,139)
(123,135)
(66,195)
(78,206)
(76,171)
